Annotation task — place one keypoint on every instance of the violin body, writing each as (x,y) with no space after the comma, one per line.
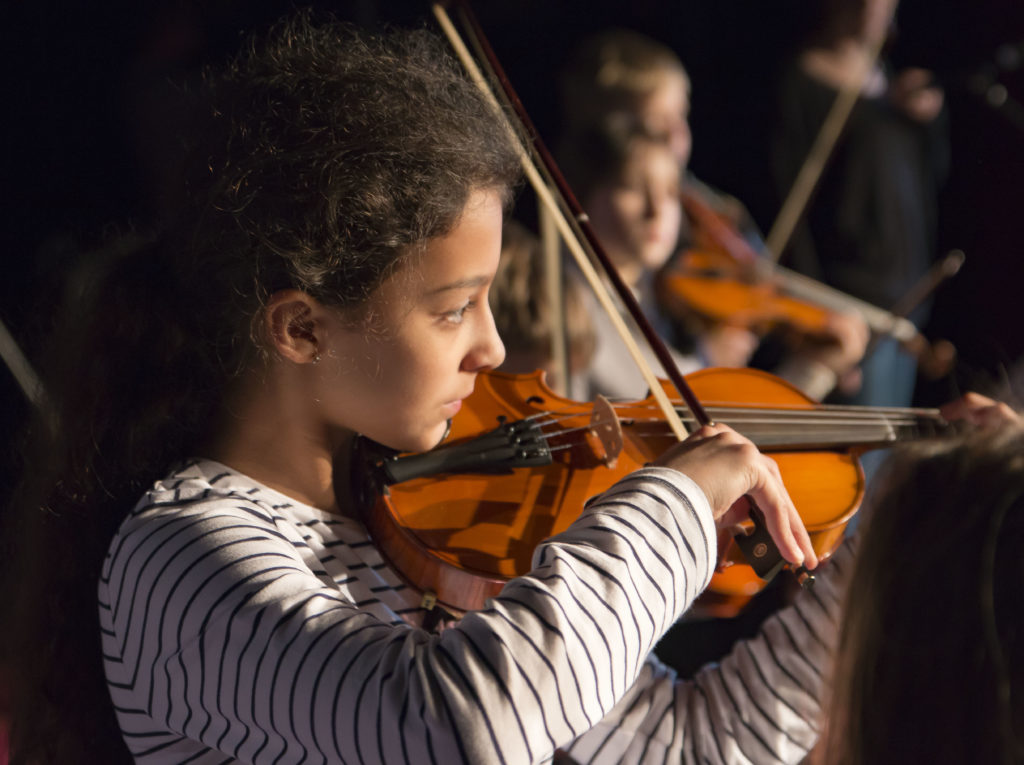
(719,279)
(712,285)
(722,279)
(463,536)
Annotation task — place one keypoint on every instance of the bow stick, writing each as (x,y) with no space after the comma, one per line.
(759,548)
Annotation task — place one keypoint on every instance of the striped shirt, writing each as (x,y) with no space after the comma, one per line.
(241,626)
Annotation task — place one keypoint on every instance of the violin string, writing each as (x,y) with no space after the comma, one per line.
(785,413)
(807,422)
(839,435)
(623,401)
(920,411)
(790,415)
(824,418)
(820,419)
(549,437)
(567,431)
(865,411)
(840,429)
(766,416)
(855,411)
(561,447)
(738,415)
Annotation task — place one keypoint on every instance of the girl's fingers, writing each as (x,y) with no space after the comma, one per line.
(782,518)
(727,466)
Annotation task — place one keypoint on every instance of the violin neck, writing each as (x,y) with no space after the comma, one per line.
(833,428)
(878,319)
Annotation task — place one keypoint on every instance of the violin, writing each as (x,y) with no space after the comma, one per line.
(520,461)
(723,280)
(711,285)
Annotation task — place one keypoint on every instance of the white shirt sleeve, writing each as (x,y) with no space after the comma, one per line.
(761,704)
(221,644)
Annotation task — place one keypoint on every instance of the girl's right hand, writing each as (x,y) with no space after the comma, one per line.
(728,468)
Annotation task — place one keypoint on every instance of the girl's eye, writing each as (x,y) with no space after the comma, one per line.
(456,316)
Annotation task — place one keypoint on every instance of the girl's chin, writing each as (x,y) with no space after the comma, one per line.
(654,261)
(437,436)
(421,442)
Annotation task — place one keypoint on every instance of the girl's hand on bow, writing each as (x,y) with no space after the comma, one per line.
(728,468)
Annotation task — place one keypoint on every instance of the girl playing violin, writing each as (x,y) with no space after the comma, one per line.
(624,94)
(326,274)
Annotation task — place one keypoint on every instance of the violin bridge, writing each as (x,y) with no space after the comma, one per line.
(604,433)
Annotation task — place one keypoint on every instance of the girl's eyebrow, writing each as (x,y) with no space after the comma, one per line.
(469,282)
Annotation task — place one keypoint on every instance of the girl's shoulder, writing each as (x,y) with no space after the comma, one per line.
(203,487)
(205,507)
(196,485)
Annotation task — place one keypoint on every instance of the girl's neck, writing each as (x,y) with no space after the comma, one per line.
(278,441)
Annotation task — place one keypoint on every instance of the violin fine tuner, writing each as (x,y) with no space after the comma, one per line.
(803,576)
(762,554)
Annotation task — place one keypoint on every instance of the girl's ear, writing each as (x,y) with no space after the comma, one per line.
(289,320)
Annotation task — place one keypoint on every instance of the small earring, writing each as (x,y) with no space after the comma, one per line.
(316,357)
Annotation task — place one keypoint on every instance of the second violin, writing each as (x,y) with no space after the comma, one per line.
(722,279)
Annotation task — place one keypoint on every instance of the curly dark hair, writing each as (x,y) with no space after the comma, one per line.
(321,158)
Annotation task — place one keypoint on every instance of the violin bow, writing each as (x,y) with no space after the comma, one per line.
(554,276)
(21,369)
(576,233)
(758,547)
(814,164)
(933,364)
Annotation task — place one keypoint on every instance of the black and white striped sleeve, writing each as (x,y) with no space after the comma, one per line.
(222,645)
(760,705)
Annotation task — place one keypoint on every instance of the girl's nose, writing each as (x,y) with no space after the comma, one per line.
(487,351)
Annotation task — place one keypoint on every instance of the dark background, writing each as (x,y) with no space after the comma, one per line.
(83,130)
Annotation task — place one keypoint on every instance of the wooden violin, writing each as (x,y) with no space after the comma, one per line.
(520,461)
(722,279)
